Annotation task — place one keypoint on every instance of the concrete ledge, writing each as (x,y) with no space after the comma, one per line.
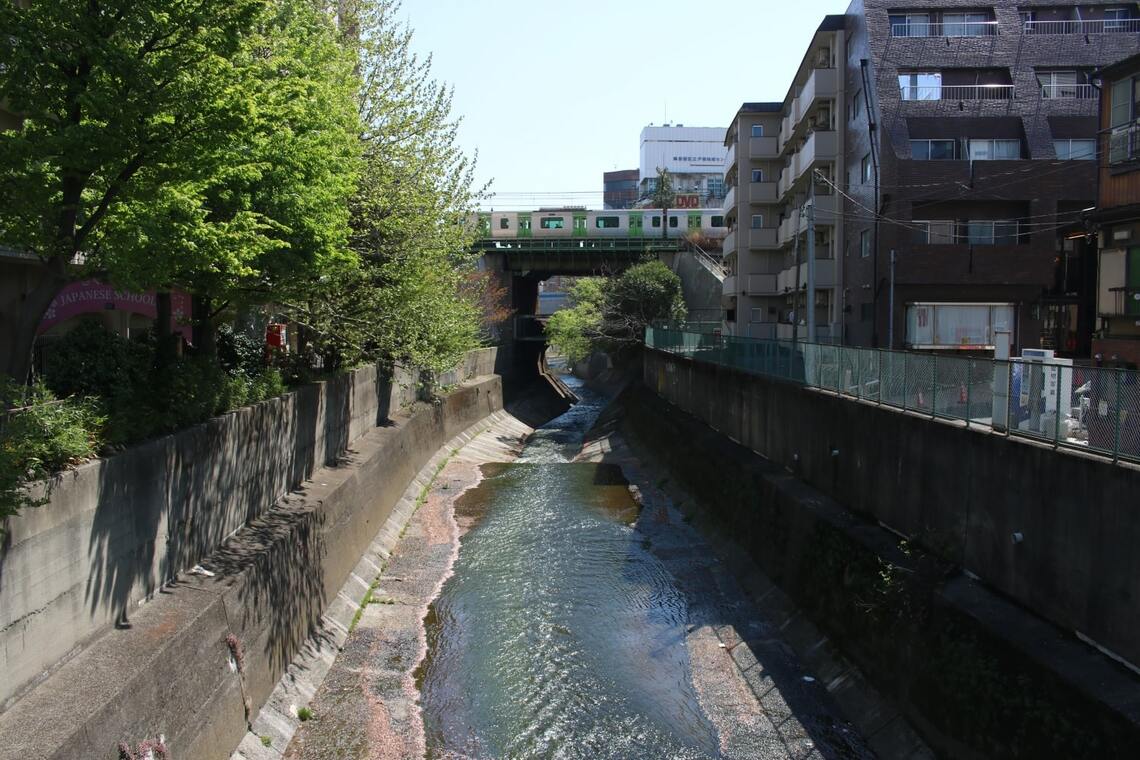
(975,674)
(172,672)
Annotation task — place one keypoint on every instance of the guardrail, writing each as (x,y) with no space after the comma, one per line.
(957,92)
(945,29)
(1068,92)
(1091,409)
(1103,26)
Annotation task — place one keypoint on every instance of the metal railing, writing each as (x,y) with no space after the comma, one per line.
(1124,144)
(1091,409)
(1068,92)
(957,92)
(945,29)
(1103,26)
(1125,302)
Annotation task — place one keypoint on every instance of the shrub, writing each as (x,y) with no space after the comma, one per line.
(93,361)
(240,352)
(42,436)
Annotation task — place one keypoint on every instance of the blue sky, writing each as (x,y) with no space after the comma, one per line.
(554,94)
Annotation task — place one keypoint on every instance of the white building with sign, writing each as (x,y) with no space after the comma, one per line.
(694,157)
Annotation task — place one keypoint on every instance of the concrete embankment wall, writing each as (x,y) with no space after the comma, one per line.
(116,529)
(962,493)
(975,673)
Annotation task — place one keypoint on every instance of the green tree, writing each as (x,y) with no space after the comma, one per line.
(410,299)
(119,99)
(610,312)
(171,143)
(664,197)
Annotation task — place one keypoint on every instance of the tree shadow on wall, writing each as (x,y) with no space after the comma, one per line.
(282,591)
(166,505)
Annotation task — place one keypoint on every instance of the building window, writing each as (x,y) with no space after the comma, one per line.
(1124,142)
(757,130)
(1115,19)
(552,223)
(757,221)
(757,175)
(910,24)
(865,244)
(933,150)
(1064,84)
(866,170)
(606,222)
(921,85)
(966,25)
(987,232)
(1075,150)
(934,232)
(995,150)
(757,315)
(966,326)
(504,223)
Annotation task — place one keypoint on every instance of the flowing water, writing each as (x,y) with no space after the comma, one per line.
(559,634)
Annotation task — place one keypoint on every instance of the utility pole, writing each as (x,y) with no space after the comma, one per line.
(811,259)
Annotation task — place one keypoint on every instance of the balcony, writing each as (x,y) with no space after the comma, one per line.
(957,92)
(1103,26)
(762,285)
(762,238)
(1068,92)
(729,242)
(824,276)
(761,192)
(729,200)
(728,287)
(822,83)
(945,29)
(1122,302)
(730,158)
(819,146)
(763,147)
(1124,145)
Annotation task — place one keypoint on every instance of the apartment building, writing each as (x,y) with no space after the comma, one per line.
(782,205)
(619,188)
(971,154)
(1117,337)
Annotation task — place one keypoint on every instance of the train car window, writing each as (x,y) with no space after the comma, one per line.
(635,222)
(656,221)
(672,221)
(694,221)
(606,222)
(524,224)
(552,223)
(718,221)
(504,223)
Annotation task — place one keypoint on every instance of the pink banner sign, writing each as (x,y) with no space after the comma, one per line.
(91,296)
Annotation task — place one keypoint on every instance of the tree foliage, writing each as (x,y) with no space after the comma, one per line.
(607,312)
(209,145)
(410,298)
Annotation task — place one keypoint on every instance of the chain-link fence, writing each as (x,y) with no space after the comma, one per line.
(1089,408)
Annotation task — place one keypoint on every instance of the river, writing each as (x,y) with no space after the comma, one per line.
(559,635)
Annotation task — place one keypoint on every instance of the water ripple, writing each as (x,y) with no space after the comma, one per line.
(559,635)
